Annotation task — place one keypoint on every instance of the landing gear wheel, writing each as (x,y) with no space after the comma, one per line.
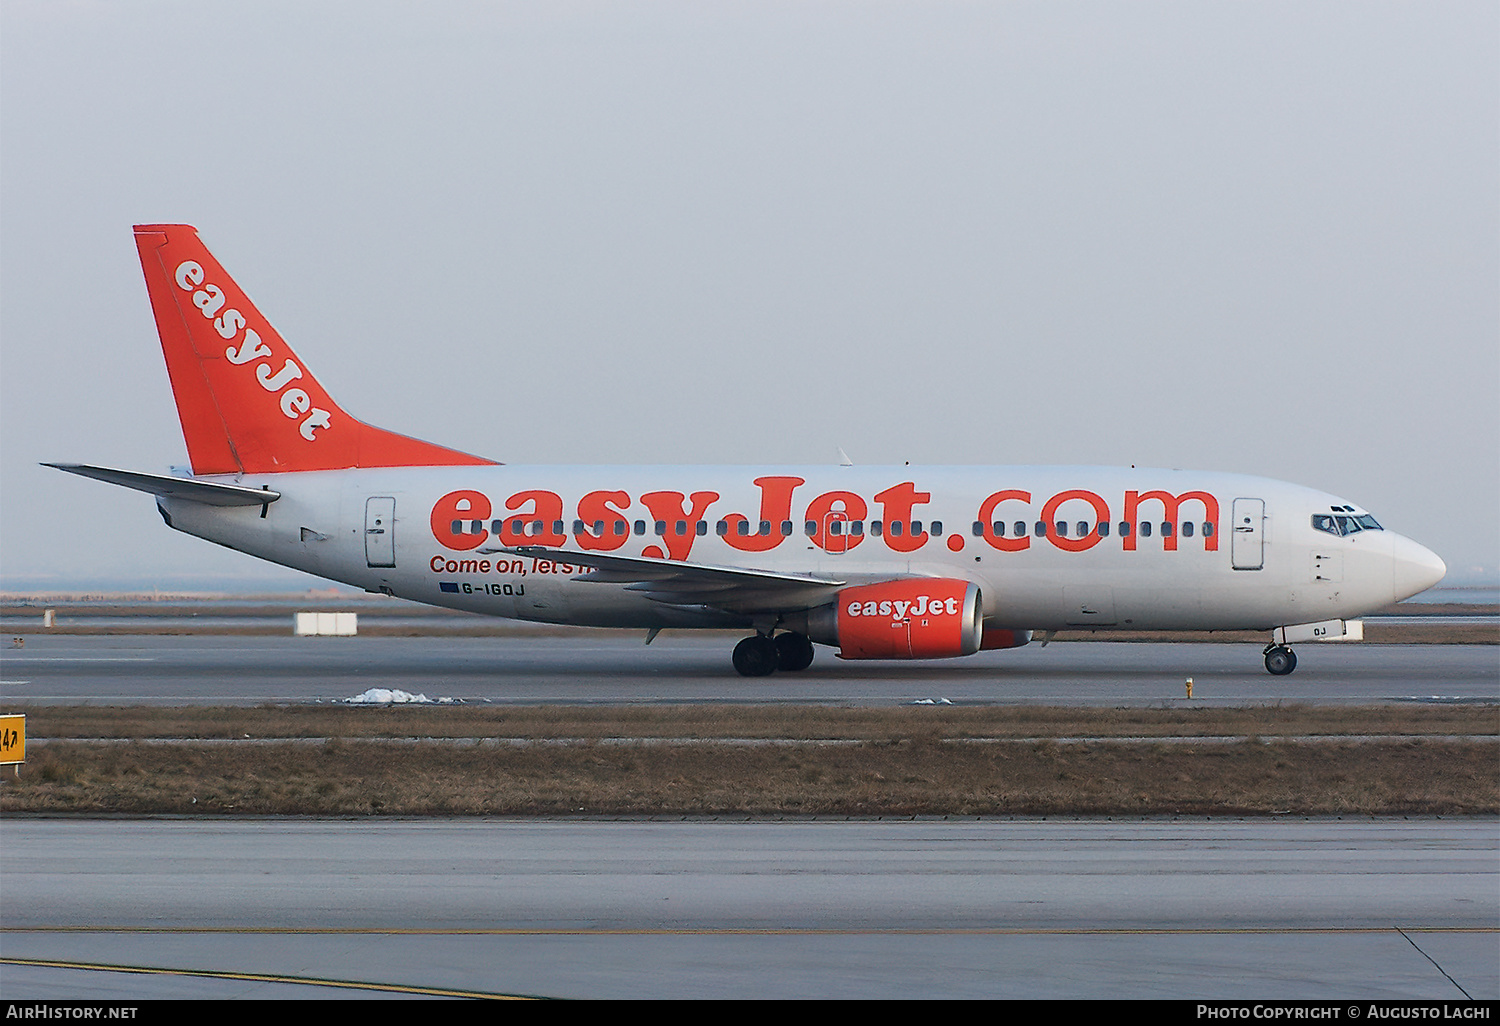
(755,656)
(793,651)
(1280,660)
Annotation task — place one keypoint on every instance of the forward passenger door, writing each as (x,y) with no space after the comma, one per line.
(1247,545)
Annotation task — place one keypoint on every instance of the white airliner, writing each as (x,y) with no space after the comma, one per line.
(879,562)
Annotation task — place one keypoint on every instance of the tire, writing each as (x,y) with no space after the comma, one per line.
(1281,661)
(755,656)
(793,651)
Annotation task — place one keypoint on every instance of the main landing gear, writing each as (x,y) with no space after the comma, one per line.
(761,655)
(1280,660)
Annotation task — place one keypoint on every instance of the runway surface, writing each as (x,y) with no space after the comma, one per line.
(1166,909)
(1087,909)
(588,668)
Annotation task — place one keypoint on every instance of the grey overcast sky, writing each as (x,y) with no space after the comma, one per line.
(1260,237)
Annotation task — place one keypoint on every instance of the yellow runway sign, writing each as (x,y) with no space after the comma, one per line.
(12,739)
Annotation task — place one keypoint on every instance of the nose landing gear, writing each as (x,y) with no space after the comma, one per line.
(762,655)
(1280,660)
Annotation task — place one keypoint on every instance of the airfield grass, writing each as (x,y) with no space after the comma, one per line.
(703,760)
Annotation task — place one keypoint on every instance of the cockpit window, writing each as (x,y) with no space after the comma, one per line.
(1343,524)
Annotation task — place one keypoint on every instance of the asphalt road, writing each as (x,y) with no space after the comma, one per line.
(174,670)
(1312,909)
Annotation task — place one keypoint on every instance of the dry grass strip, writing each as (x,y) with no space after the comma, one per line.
(752,721)
(761,761)
(907,777)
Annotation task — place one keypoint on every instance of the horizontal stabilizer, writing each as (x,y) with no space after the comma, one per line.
(206,492)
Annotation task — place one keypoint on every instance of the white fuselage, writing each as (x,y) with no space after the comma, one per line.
(1179,549)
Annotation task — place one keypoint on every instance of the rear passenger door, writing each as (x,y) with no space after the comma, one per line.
(380,531)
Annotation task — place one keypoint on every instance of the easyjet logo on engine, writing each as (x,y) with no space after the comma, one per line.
(931,618)
(898,609)
(210,301)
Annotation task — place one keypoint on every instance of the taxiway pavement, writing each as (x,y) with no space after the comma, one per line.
(1198,909)
(198,669)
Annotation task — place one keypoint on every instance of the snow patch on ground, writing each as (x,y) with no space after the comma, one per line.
(388,696)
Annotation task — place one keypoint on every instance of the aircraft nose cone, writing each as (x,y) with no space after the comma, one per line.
(1414,567)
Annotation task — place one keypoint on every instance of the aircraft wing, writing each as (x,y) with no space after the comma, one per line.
(731,588)
(206,492)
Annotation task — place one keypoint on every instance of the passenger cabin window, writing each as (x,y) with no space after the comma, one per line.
(876,527)
(857,528)
(1146,529)
(700,528)
(1104,528)
(721,528)
(1062,528)
(1020,526)
(1124,529)
(935,528)
(1187,529)
(1208,529)
(1166,528)
(640,527)
(661,528)
(1041,528)
(895,528)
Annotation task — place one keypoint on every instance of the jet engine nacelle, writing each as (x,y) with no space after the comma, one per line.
(1004,637)
(916,618)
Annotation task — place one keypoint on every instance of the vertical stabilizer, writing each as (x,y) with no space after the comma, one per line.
(247,403)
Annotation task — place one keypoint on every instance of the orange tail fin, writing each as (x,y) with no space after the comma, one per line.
(247,403)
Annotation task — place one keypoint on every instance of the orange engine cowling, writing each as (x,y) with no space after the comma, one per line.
(915,618)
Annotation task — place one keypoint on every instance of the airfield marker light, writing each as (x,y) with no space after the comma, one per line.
(1190,687)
